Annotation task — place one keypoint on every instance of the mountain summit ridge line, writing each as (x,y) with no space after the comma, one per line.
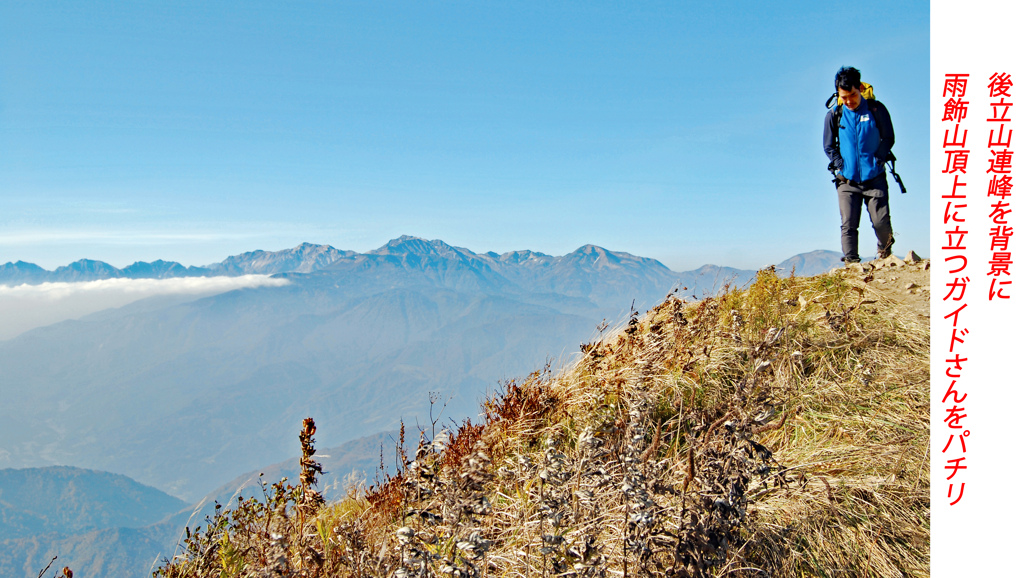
(308,257)
(184,393)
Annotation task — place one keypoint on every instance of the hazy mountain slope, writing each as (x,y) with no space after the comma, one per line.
(14,273)
(109,553)
(99,523)
(161,270)
(806,264)
(128,549)
(69,500)
(176,392)
(354,463)
(305,258)
(218,383)
(85,270)
(409,259)
(758,432)
(600,274)
(185,393)
(521,267)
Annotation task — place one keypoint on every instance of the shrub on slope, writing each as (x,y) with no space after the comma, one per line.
(777,431)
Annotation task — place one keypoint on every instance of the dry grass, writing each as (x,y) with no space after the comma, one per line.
(777,431)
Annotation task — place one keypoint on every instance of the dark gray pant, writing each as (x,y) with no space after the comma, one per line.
(874,194)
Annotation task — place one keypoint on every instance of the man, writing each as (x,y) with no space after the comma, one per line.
(858,140)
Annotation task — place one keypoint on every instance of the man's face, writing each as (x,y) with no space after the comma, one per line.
(851,98)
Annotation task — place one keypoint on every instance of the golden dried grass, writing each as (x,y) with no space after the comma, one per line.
(777,431)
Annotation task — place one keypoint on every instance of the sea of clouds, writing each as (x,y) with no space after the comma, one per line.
(25,307)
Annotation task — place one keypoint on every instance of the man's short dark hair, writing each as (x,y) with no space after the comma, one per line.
(848,78)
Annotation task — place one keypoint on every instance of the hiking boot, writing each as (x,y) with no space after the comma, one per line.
(885,251)
(850,260)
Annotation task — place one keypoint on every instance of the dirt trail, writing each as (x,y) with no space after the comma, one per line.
(907,280)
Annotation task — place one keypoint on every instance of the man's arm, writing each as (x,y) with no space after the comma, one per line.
(831,150)
(886,135)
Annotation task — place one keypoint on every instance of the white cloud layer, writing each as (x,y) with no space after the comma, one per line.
(25,307)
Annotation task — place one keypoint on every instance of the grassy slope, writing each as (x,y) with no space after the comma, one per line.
(779,431)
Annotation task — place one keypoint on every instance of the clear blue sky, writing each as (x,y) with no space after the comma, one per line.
(688,132)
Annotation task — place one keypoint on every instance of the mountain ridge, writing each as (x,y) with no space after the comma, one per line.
(756,432)
(308,257)
(120,543)
(354,343)
(68,500)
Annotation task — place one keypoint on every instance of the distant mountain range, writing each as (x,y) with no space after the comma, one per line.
(183,394)
(103,524)
(305,258)
(810,264)
(65,500)
(100,524)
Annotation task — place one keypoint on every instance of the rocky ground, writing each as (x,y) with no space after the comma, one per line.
(905,280)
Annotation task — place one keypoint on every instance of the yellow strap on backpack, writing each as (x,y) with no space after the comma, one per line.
(865,92)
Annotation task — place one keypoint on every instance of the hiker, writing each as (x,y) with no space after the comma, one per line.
(858,141)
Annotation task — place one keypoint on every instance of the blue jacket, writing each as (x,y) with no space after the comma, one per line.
(864,140)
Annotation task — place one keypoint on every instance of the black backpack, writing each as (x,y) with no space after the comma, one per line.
(868,94)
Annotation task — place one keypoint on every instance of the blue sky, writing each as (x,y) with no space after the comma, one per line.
(687,132)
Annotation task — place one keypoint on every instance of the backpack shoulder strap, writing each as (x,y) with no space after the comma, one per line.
(891,159)
(873,107)
(837,115)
